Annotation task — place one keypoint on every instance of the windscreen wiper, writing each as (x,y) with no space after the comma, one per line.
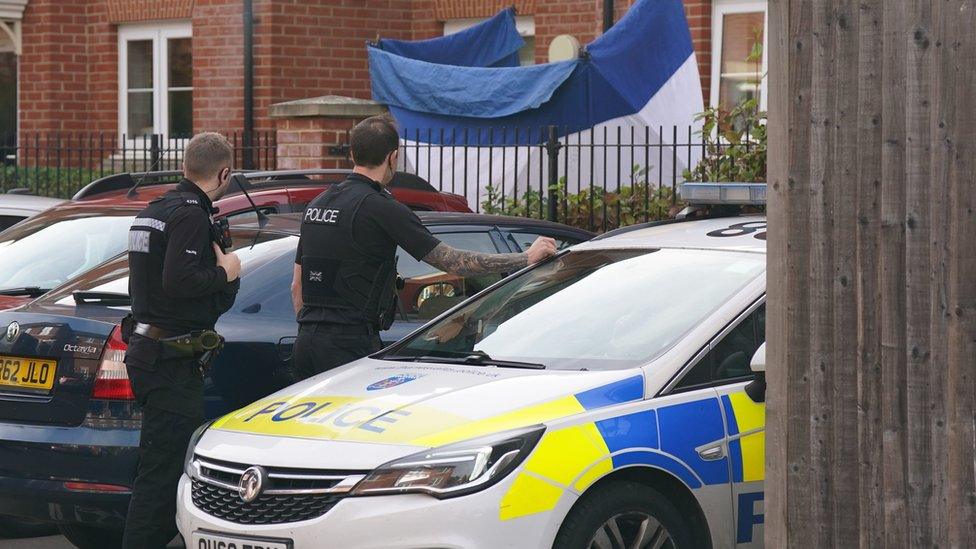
(473,358)
(29,291)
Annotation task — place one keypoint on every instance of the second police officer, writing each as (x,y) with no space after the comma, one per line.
(344,281)
(180,281)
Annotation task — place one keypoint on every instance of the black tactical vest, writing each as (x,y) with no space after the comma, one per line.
(337,273)
(147,251)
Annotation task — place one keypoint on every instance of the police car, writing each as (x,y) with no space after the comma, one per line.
(605,398)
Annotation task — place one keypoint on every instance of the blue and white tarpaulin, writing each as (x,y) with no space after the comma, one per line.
(640,77)
(494,42)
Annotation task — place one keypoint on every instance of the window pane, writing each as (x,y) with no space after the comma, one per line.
(8,101)
(9,221)
(428,292)
(266,260)
(140,113)
(248,216)
(731,358)
(740,76)
(180,113)
(180,63)
(527,53)
(82,243)
(140,64)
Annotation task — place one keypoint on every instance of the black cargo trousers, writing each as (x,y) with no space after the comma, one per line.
(322,346)
(170,392)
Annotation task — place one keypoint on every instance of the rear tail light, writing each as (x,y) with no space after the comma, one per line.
(112,380)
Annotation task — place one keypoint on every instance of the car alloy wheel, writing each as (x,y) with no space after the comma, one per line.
(633,530)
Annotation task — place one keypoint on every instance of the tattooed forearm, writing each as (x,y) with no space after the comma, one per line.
(465,263)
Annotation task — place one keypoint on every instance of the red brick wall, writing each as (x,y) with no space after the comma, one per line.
(54,67)
(120,11)
(425,23)
(583,19)
(699,13)
(463,9)
(301,49)
(319,48)
(218,65)
(103,78)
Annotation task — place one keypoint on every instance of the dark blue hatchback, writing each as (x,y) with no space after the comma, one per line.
(69,427)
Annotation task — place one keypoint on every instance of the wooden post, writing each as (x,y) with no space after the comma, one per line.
(872,274)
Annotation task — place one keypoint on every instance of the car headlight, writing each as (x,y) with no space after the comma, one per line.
(194,438)
(453,470)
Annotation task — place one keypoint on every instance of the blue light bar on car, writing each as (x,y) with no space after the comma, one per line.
(740,194)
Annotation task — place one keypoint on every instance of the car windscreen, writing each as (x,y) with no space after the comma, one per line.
(589,309)
(58,245)
(255,249)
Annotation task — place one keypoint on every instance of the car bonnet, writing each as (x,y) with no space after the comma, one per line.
(428,405)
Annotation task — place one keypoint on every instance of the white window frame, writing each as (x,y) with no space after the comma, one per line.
(159,33)
(721,8)
(524,24)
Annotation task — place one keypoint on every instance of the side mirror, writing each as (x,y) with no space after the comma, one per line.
(758,363)
(756,389)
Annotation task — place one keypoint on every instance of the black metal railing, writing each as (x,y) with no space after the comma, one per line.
(598,178)
(59,163)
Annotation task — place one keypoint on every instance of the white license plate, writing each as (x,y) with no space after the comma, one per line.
(213,540)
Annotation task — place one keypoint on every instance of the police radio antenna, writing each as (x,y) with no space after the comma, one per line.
(242,184)
(152,167)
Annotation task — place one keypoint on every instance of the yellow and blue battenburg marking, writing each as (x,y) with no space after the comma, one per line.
(571,458)
(747,445)
(575,457)
(667,438)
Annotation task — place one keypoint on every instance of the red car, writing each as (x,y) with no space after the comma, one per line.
(67,240)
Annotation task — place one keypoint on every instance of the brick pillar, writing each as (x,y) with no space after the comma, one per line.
(308,130)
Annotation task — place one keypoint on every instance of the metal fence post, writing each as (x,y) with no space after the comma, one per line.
(552,151)
(153,152)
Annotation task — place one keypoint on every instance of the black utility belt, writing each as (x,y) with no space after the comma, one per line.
(344,329)
(189,343)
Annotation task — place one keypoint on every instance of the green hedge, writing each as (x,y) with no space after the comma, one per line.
(47,181)
(592,208)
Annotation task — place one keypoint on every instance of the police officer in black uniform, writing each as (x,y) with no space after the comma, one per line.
(180,281)
(344,282)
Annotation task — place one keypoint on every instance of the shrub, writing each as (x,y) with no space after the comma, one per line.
(46,181)
(593,207)
(735,145)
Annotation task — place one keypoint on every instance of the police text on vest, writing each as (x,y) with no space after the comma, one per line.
(321,215)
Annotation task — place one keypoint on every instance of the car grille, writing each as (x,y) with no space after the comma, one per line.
(290,495)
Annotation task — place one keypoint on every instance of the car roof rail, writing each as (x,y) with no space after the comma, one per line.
(255,180)
(249,180)
(127,180)
(271,178)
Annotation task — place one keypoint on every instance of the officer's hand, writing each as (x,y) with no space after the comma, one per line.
(448,330)
(230,262)
(542,248)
